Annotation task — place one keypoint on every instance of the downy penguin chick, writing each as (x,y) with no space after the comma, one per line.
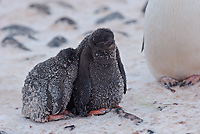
(101,79)
(48,87)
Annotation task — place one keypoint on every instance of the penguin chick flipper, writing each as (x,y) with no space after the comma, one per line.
(82,85)
(97,112)
(121,68)
(169,82)
(56,95)
(57,117)
(190,81)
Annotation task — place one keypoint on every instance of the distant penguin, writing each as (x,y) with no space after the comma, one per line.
(101,79)
(48,87)
(172,41)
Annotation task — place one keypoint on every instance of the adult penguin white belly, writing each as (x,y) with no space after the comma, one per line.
(172,41)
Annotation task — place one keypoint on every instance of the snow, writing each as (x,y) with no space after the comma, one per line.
(163,112)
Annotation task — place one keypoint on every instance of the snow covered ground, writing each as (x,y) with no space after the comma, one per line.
(163,112)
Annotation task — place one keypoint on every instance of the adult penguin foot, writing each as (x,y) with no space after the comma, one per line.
(169,82)
(190,81)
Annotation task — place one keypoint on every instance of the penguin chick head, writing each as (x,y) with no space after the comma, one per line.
(103,38)
(103,46)
(66,56)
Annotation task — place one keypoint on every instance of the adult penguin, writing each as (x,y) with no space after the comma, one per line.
(101,79)
(171,41)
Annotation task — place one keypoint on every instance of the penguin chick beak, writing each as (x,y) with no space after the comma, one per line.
(109,42)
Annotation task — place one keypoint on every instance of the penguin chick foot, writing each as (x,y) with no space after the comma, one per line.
(126,115)
(57,117)
(97,112)
(62,116)
(169,82)
(190,81)
(66,112)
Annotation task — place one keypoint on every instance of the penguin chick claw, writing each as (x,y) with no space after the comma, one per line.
(190,81)
(97,112)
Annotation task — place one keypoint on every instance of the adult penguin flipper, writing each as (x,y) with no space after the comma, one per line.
(82,85)
(121,68)
(142,45)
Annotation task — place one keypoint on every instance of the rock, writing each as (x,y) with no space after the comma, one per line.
(16,29)
(41,8)
(102,9)
(126,115)
(9,40)
(64,4)
(57,41)
(131,21)
(160,108)
(71,127)
(66,20)
(110,17)
(122,33)
(2,132)
(150,132)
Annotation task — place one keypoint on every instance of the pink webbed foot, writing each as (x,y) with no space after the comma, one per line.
(58,117)
(62,116)
(97,112)
(190,81)
(169,82)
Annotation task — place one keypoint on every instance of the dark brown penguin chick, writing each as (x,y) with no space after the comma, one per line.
(101,79)
(48,87)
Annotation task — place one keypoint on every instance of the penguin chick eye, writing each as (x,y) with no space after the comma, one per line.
(96,42)
(69,60)
(100,43)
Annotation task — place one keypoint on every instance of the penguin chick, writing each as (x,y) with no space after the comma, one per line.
(171,39)
(48,87)
(101,79)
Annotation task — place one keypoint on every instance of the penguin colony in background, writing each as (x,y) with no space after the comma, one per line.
(76,81)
